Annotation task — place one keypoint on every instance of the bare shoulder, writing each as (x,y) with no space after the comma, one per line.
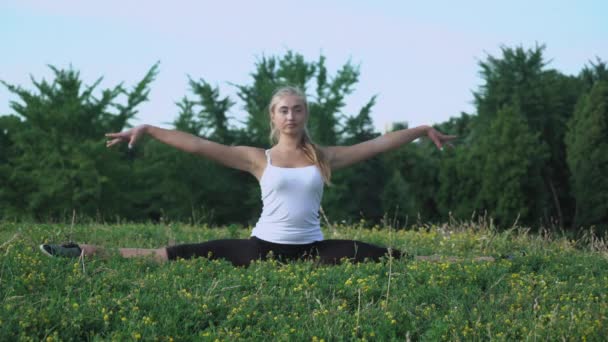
(256,157)
(253,154)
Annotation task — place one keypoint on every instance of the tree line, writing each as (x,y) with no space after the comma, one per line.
(535,151)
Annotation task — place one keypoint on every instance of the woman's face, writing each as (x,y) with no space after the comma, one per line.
(289,115)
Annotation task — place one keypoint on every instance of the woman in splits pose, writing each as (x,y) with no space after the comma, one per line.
(291,175)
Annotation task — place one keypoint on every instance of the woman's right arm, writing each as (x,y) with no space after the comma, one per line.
(243,158)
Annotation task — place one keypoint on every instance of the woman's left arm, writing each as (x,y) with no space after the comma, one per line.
(343,156)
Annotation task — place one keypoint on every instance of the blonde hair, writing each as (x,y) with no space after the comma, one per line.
(311,150)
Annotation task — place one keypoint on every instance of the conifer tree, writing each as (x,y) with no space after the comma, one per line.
(59,162)
(587,143)
(511,168)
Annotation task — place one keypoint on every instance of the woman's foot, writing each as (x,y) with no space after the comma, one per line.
(68,250)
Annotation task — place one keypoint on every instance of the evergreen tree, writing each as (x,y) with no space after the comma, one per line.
(545,99)
(10,192)
(58,160)
(461,171)
(587,143)
(357,189)
(511,168)
(177,186)
(398,200)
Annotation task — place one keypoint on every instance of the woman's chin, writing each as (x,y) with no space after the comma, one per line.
(292,131)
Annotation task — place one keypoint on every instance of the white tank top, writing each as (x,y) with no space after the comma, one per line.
(291,199)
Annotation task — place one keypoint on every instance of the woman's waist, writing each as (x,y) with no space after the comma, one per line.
(287,234)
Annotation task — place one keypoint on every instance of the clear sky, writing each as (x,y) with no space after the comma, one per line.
(420,57)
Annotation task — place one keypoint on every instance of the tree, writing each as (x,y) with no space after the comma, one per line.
(460,171)
(58,160)
(178,186)
(511,185)
(398,201)
(10,199)
(587,148)
(357,190)
(545,99)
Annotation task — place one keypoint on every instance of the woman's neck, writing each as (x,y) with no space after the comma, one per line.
(289,142)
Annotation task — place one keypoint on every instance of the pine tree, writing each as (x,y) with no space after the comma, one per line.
(587,143)
(511,168)
(59,161)
(460,171)
(546,99)
(398,201)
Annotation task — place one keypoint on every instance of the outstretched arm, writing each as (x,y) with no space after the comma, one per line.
(237,157)
(342,156)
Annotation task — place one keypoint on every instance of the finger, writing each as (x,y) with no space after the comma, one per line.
(132,141)
(445,137)
(112,142)
(437,142)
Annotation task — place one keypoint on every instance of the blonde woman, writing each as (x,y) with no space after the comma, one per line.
(291,174)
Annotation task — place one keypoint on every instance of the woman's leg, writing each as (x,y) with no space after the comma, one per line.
(159,254)
(238,251)
(332,251)
(439,258)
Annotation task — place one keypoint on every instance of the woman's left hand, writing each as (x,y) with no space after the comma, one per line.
(439,139)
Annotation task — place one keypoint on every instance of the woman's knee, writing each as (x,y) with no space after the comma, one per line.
(333,251)
(238,251)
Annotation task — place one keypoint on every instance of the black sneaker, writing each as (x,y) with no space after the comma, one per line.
(68,250)
(513,256)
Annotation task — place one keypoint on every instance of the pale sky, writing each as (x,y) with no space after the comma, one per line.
(420,58)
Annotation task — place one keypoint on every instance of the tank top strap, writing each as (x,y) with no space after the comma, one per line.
(268,157)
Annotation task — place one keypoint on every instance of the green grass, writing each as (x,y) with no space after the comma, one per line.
(557,290)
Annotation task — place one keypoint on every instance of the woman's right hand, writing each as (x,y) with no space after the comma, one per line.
(130,136)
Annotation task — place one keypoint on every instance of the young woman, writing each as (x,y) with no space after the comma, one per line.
(291,176)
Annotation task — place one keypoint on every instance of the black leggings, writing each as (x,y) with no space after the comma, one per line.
(242,251)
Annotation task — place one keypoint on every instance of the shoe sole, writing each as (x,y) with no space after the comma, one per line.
(45,251)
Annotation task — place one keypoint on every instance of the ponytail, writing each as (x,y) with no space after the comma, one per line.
(316,155)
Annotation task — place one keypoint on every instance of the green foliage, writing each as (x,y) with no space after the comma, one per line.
(511,169)
(587,143)
(555,291)
(412,171)
(52,163)
(596,72)
(176,186)
(350,198)
(460,171)
(292,69)
(398,200)
(10,196)
(543,101)
(512,156)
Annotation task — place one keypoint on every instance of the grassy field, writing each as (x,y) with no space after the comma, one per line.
(554,288)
